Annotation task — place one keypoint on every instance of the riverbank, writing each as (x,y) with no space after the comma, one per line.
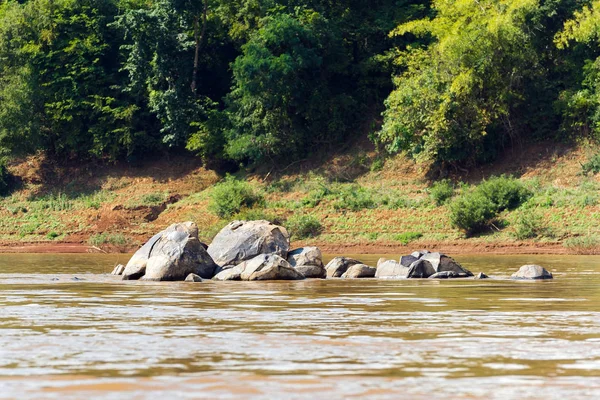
(361,204)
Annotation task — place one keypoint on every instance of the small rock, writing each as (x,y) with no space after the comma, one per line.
(419,254)
(118,270)
(532,272)
(308,261)
(77,279)
(54,279)
(312,271)
(269,267)
(336,267)
(444,275)
(442,262)
(359,271)
(193,278)
(481,275)
(230,274)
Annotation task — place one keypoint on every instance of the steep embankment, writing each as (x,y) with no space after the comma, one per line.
(362,205)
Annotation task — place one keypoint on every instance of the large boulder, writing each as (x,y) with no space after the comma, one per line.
(171,255)
(269,267)
(441,263)
(532,272)
(308,261)
(420,269)
(336,267)
(243,240)
(390,269)
(359,271)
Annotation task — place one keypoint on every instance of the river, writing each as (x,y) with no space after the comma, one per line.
(69,330)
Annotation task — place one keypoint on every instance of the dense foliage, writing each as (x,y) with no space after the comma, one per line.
(257,81)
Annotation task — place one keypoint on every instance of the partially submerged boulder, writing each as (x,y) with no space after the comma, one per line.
(308,261)
(243,240)
(171,255)
(441,263)
(444,275)
(390,269)
(230,273)
(269,267)
(359,271)
(118,270)
(193,278)
(420,269)
(336,267)
(532,272)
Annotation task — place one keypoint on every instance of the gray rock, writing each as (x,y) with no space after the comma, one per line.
(230,274)
(136,266)
(532,272)
(193,278)
(243,240)
(381,261)
(336,267)
(481,275)
(269,267)
(442,262)
(308,261)
(172,257)
(444,275)
(406,261)
(359,271)
(420,269)
(391,269)
(118,270)
(419,254)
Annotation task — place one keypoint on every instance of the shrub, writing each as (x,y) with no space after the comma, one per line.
(472,212)
(593,165)
(302,226)
(507,193)
(441,191)
(6,180)
(407,237)
(528,225)
(355,198)
(231,196)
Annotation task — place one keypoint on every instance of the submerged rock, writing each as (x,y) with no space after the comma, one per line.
(193,278)
(390,269)
(308,261)
(444,275)
(359,271)
(481,275)
(532,272)
(171,255)
(336,267)
(441,263)
(243,240)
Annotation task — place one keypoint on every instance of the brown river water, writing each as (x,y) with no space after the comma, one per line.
(69,330)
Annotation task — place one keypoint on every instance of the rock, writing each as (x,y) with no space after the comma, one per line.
(532,272)
(381,261)
(136,266)
(359,271)
(243,240)
(444,275)
(308,261)
(336,267)
(269,267)
(193,278)
(406,261)
(233,273)
(174,255)
(442,262)
(481,275)
(118,270)
(77,279)
(420,269)
(419,254)
(391,269)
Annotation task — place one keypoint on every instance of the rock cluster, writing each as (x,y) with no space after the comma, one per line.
(260,250)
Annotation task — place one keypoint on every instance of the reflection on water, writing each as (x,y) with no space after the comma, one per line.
(70,330)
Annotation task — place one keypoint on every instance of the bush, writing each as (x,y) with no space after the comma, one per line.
(115,239)
(302,226)
(441,191)
(593,165)
(231,196)
(507,193)
(529,225)
(583,244)
(355,198)
(474,210)
(6,180)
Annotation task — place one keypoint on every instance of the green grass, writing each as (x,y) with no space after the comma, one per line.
(407,237)
(115,239)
